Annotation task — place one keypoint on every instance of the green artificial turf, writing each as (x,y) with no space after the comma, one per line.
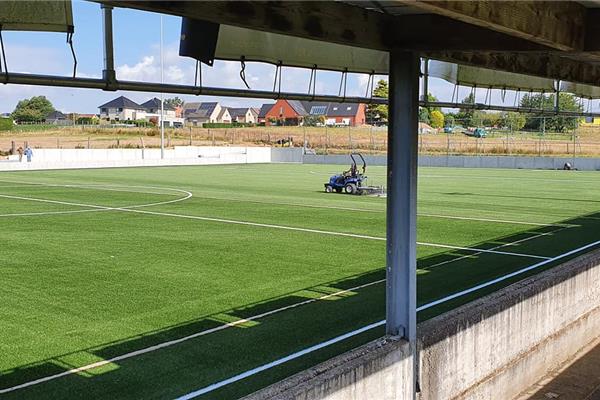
(123,273)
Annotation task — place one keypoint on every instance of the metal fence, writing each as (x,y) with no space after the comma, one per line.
(319,140)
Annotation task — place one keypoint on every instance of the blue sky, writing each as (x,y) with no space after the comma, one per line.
(137,57)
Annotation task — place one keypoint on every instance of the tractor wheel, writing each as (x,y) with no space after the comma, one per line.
(350,188)
(328,189)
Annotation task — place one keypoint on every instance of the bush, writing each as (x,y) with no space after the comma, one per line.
(6,124)
(87,121)
(232,125)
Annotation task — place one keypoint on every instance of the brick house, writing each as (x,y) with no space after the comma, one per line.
(293,112)
(262,113)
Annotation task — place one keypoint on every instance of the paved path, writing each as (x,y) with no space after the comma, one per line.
(577,379)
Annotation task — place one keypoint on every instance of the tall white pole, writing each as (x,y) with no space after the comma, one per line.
(162,95)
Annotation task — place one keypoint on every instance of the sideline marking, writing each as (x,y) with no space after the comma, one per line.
(280,361)
(272,226)
(337,339)
(183,339)
(504,221)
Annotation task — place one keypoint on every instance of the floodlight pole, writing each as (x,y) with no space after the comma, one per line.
(401,258)
(162,95)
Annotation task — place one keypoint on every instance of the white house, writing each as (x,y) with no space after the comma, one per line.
(199,113)
(123,109)
(244,115)
(224,116)
(169,114)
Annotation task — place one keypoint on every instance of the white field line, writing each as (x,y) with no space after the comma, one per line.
(280,361)
(272,226)
(345,336)
(503,221)
(48,213)
(496,248)
(183,339)
(98,207)
(483,219)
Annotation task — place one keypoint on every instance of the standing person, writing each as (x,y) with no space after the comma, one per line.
(20,152)
(28,153)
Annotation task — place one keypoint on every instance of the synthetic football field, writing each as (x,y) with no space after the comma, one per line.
(211,282)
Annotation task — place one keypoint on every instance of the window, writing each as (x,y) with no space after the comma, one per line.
(120,109)
(104,110)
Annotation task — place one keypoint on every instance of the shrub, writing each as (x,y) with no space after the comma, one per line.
(6,124)
(231,125)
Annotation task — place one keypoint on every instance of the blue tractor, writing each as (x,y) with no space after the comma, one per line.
(351,181)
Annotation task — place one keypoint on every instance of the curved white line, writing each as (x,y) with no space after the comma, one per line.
(94,206)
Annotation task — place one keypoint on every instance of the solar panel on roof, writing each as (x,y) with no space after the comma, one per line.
(318,110)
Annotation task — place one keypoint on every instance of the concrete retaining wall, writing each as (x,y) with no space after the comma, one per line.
(287,154)
(107,158)
(492,348)
(586,164)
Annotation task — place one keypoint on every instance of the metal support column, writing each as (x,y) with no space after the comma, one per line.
(108,73)
(401,243)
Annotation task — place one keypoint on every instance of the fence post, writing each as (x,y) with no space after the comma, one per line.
(349,138)
(326,140)
(304,137)
(13,147)
(372,144)
(190,135)
(89,142)
(58,143)
(143,147)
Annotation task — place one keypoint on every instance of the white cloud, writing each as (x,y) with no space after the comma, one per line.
(142,71)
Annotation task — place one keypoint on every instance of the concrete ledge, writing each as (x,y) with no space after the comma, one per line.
(492,348)
(380,364)
(499,345)
(514,162)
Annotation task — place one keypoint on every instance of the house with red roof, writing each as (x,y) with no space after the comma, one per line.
(293,112)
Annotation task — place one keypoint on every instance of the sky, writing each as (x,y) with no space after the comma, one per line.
(137,58)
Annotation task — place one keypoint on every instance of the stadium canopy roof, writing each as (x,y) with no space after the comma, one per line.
(547,39)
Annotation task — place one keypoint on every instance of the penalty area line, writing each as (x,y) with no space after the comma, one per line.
(366,328)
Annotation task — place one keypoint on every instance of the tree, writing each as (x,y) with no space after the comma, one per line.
(174,102)
(567,102)
(425,112)
(378,112)
(512,120)
(314,120)
(32,110)
(465,115)
(424,115)
(449,120)
(437,119)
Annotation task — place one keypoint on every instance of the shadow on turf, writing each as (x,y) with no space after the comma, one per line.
(468,272)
